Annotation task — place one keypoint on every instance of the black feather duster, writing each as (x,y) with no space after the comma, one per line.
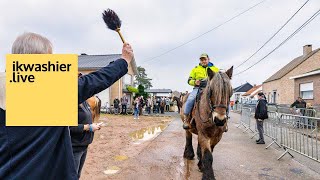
(112,21)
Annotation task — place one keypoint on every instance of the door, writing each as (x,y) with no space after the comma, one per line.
(274,97)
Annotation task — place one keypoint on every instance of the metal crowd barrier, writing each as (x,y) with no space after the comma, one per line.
(245,119)
(272,108)
(270,128)
(237,107)
(308,112)
(300,134)
(294,111)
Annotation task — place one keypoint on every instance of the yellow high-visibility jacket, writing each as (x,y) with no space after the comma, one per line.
(200,73)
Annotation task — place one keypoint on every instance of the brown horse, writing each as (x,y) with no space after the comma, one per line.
(209,119)
(95,106)
(179,102)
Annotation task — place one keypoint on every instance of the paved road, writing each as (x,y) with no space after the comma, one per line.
(235,157)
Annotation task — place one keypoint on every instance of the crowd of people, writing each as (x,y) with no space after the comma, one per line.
(142,105)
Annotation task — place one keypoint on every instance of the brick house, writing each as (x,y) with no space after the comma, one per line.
(90,63)
(307,86)
(279,88)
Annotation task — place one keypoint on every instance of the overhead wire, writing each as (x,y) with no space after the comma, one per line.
(273,35)
(210,30)
(283,42)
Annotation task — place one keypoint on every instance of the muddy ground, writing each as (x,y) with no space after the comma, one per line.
(120,139)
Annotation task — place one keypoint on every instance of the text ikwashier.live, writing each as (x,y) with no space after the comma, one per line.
(46,67)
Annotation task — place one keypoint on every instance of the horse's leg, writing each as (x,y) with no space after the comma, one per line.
(188,151)
(199,152)
(199,155)
(206,159)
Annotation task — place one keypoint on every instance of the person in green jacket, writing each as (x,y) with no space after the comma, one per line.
(198,79)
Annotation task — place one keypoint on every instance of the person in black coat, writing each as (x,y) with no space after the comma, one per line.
(46,152)
(261,114)
(116,103)
(82,135)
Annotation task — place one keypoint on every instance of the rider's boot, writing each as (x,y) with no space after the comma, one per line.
(186,123)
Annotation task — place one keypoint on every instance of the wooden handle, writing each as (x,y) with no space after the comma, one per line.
(122,39)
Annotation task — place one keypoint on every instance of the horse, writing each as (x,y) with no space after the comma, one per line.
(95,107)
(209,120)
(179,103)
(162,105)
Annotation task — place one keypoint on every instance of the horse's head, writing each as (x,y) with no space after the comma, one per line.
(219,91)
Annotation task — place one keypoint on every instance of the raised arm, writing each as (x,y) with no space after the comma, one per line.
(100,80)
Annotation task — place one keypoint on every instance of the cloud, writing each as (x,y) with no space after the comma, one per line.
(153,27)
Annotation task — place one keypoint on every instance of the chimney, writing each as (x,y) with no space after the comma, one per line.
(307,49)
(83,54)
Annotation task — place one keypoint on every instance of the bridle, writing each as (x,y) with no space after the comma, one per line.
(212,107)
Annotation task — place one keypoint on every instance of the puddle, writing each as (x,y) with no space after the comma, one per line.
(111,170)
(146,134)
(120,158)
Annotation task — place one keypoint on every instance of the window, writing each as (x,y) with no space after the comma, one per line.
(306,90)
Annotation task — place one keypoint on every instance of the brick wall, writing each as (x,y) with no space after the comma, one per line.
(285,86)
(316,88)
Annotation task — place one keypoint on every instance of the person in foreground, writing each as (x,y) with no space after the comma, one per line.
(261,114)
(46,152)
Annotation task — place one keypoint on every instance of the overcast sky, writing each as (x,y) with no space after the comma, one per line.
(155,26)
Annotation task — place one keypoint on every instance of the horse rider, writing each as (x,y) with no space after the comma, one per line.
(198,79)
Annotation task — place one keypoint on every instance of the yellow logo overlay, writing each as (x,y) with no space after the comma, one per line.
(42,90)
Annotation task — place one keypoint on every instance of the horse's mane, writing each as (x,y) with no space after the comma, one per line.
(220,87)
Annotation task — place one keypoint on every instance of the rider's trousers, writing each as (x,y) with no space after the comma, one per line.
(190,101)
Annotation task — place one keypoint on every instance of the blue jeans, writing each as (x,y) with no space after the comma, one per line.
(79,158)
(190,101)
(136,112)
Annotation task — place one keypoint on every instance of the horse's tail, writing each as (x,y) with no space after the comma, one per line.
(97,109)
(99,105)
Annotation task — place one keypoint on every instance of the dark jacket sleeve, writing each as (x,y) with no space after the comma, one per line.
(77,129)
(256,114)
(293,104)
(100,80)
